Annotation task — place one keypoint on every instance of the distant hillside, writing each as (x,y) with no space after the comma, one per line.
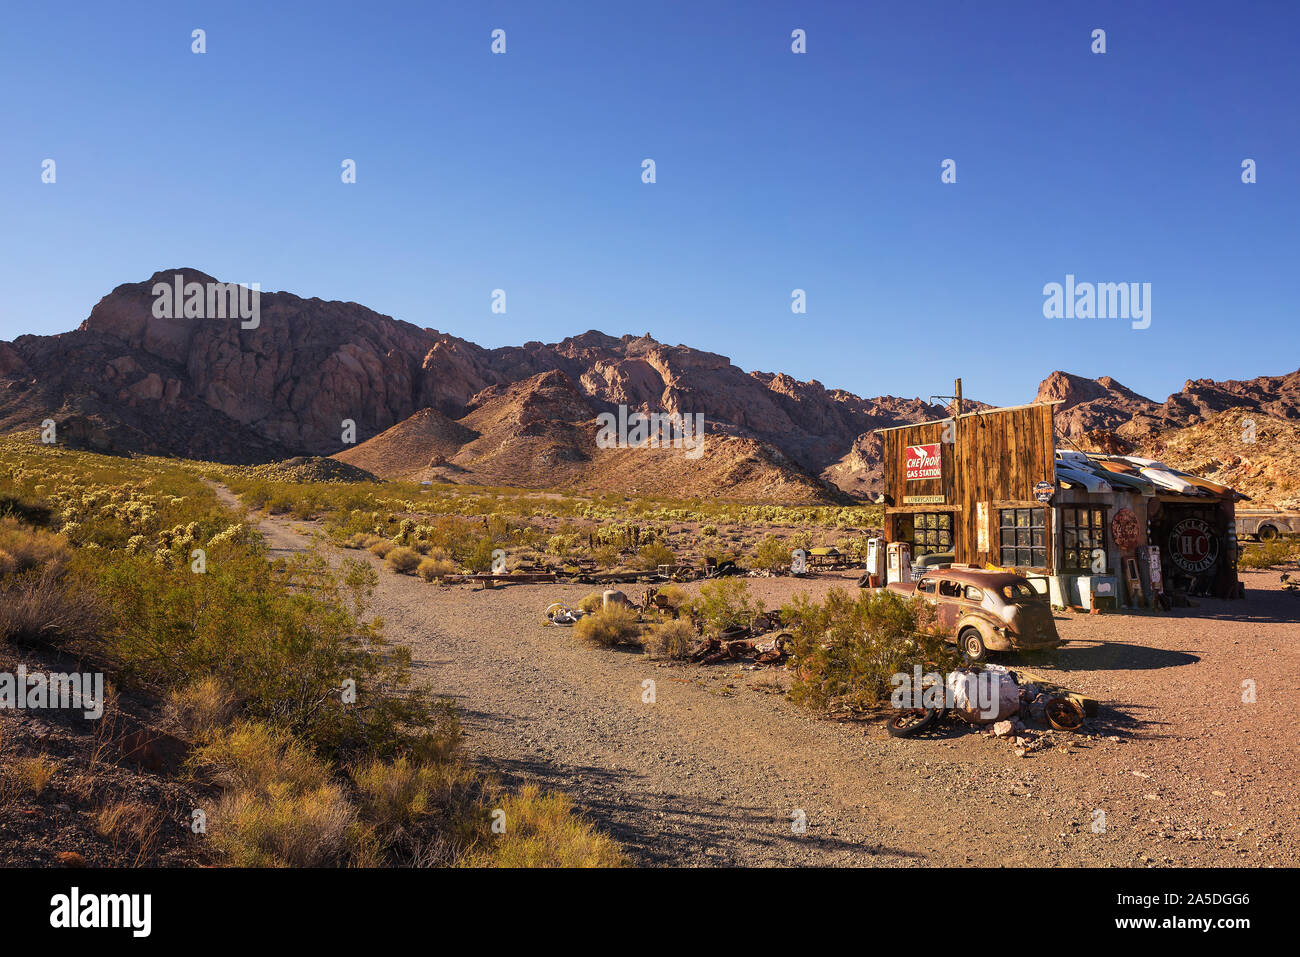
(541,433)
(310,370)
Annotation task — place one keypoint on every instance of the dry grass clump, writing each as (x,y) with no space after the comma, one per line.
(130,824)
(30,775)
(202,706)
(361,540)
(542,830)
(47,609)
(592,602)
(403,560)
(612,625)
(669,639)
(280,808)
(432,568)
(381,548)
(23,548)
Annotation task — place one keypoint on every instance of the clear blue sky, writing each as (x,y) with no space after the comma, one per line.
(775,171)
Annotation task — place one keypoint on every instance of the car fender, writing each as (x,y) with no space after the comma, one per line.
(993,634)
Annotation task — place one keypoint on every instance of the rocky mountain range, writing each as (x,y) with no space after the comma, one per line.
(308,375)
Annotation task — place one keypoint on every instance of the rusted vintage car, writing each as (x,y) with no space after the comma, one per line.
(985,611)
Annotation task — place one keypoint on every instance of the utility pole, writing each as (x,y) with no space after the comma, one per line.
(956,405)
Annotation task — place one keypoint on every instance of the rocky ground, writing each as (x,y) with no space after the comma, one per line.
(718,768)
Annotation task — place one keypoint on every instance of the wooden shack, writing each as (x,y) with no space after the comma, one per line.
(992,490)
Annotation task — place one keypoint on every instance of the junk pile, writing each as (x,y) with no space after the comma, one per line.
(584,573)
(762,642)
(1005,703)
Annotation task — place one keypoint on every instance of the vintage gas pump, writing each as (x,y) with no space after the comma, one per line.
(1151,572)
(875,562)
(900,562)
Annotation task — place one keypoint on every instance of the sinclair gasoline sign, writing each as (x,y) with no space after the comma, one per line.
(922,462)
(1193,545)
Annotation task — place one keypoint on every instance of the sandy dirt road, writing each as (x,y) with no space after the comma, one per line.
(716,770)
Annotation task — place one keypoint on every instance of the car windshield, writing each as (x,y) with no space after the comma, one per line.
(1019,592)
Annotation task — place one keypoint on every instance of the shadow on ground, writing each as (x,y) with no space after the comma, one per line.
(664,829)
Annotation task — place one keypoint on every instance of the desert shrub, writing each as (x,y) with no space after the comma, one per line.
(609,626)
(848,648)
(253,626)
(725,603)
(606,556)
(47,608)
(708,531)
(542,830)
(593,601)
(202,706)
(280,807)
(431,568)
(673,597)
(717,554)
(478,558)
(655,554)
(772,553)
(1268,554)
(403,560)
(381,548)
(669,639)
(361,540)
(24,548)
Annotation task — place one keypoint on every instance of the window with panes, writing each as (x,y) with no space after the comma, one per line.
(1023,537)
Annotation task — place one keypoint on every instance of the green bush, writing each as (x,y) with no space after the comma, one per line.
(1267,555)
(772,554)
(725,603)
(655,554)
(848,648)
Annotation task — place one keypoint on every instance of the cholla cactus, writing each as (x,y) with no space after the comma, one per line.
(233,534)
(135,544)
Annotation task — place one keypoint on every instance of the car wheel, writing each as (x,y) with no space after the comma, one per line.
(1267,533)
(971,643)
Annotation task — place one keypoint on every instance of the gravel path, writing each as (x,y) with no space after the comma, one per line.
(717,768)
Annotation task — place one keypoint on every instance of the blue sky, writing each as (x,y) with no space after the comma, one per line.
(775,171)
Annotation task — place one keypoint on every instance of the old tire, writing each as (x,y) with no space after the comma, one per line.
(1064,715)
(904,724)
(1268,533)
(971,643)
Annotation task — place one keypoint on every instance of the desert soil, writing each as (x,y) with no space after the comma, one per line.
(719,767)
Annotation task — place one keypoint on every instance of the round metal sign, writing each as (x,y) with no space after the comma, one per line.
(1124,528)
(1043,491)
(1193,546)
